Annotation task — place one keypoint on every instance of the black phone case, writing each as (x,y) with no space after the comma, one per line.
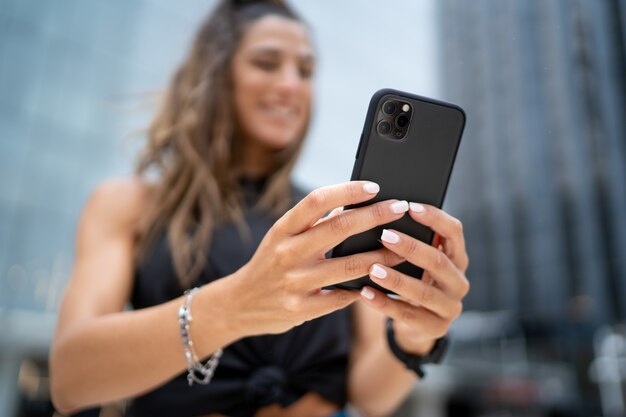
(416,168)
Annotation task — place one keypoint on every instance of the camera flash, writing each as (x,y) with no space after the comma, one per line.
(406,108)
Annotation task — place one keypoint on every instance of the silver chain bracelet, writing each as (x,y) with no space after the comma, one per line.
(196,371)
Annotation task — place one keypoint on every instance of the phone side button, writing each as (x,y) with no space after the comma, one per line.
(358,149)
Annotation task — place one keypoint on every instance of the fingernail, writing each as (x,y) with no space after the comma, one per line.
(367,293)
(399,207)
(389,236)
(417,208)
(378,271)
(371,187)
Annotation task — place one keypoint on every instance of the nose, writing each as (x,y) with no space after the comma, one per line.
(290,79)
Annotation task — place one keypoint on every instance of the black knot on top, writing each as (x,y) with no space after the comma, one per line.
(267,385)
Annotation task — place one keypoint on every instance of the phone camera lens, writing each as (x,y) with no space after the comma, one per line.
(402,121)
(384,127)
(389,107)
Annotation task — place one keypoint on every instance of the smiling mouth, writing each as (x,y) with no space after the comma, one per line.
(287,113)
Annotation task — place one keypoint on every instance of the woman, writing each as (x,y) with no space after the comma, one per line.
(221,217)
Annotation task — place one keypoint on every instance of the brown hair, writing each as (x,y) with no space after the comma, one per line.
(193,149)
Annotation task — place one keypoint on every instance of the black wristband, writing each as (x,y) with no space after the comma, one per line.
(411,361)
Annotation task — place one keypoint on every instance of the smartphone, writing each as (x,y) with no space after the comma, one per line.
(408,146)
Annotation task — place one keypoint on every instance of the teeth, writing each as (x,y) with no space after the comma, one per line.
(282,111)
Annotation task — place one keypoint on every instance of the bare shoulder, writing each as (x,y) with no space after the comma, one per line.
(102,276)
(118,203)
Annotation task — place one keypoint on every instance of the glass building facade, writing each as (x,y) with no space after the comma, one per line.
(540,182)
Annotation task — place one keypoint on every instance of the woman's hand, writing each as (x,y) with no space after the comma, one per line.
(426,307)
(280,287)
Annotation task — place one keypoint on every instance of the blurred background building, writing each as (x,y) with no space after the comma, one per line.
(541,176)
(540,180)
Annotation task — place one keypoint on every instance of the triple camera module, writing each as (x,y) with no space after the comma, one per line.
(394,118)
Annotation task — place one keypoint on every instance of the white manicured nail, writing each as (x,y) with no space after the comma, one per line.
(389,236)
(378,271)
(371,187)
(367,293)
(417,208)
(399,207)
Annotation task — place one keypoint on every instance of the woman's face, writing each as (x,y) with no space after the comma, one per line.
(272,70)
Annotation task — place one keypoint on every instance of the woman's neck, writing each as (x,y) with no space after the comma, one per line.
(255,160)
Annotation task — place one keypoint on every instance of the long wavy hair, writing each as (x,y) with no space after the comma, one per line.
(193,147)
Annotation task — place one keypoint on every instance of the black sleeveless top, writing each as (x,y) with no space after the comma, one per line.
(254,371)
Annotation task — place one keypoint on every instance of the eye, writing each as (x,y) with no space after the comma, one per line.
(306,71)
(266,64)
